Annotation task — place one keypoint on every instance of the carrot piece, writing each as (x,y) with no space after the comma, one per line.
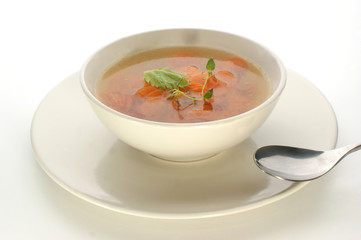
(144,91)
(198,77)
(207,106)
(226,74)
(212,82)
(225,77)
(192,69)
(175,104)
(155,93)
(188,71)
(195,87)
(149,91)
(239,62)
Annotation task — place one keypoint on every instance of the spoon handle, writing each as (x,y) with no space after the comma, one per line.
(346,150)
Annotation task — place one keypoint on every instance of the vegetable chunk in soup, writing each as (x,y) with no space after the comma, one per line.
(183,85)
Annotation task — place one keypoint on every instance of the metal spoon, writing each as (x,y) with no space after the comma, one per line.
(298,164)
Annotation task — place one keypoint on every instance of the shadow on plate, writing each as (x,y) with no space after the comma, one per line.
(138,180)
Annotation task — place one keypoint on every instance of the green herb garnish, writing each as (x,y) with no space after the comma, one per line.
(210,65)
(208,94)
(167,79)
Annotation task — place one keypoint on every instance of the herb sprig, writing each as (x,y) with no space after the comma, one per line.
(167,79)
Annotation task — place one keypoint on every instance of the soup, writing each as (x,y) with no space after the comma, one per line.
(207,85)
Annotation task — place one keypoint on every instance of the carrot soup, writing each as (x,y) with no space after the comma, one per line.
(183,85)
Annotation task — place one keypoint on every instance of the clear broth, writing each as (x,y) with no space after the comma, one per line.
(241,85)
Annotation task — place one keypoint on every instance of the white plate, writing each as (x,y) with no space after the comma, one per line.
(83,157)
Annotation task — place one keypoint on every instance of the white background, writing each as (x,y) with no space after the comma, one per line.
(43,42)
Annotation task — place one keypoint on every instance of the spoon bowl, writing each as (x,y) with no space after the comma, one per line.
(299,164)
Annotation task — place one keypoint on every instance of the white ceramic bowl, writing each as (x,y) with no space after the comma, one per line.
(183,141)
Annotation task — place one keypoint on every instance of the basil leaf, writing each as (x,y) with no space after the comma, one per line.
(211,65)
(165,78)
(208,94)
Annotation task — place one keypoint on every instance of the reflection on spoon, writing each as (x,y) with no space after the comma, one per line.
(298,164)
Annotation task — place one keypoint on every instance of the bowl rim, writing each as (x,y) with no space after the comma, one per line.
(273,97)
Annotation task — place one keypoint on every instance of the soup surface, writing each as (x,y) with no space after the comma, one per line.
(231,87)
